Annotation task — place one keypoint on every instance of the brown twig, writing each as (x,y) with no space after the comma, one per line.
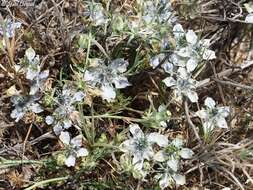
(190,121)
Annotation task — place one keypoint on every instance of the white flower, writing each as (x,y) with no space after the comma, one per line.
(38,82)
(107,78)
(33,72)
(8,27)
(61,118)
(189,50)
(157,12)
(177,147)
(140,145)
(24,104)
(183,85)
(212,115)
(168,177)
(97,14)
(75,149)
(170,156)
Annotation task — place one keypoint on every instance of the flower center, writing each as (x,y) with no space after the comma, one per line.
(141,144)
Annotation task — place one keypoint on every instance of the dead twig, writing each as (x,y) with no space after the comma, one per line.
(190,122)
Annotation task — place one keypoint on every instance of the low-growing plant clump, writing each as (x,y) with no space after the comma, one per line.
(126,95)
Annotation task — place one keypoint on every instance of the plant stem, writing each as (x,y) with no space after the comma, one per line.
(114,117)
(9,163)
(37,184)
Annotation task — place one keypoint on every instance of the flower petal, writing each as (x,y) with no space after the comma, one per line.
(78,96)
(136,131)
(178,31)
(44,74)
(169,81)
(108,93)
(208,54)
(179,179)
(67,123)
(49,120)
(82,152)
(159,139)
(160,156)
(70,161)
(191,37)
(249,18)
(202,114)
(32,73)
(121,82)
(168,67)
(191,65)
(30,54)
(193,96)
(177,142)
(57,129)
(77,141)
(209,102)
(186,153)
(165,181)
(222,123)
(65,137)
(173,164)
(223,111)
(36,108)
(119,64)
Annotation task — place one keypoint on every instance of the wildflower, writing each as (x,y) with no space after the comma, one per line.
(157,12)
(74,146)
(182,86)
(24,104)
(140,145)
(97,14)
(171,156)
(189,50)
(61,118)
(8,28)
(173,152)
(107,78)
(34,73)
(212,115)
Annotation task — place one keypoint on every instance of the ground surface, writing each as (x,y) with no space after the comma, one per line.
(68,37)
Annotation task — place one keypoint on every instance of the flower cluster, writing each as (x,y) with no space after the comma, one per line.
(61,117)
(170,160)
(141,147)
(188,52)
(107,78)
(28,103)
